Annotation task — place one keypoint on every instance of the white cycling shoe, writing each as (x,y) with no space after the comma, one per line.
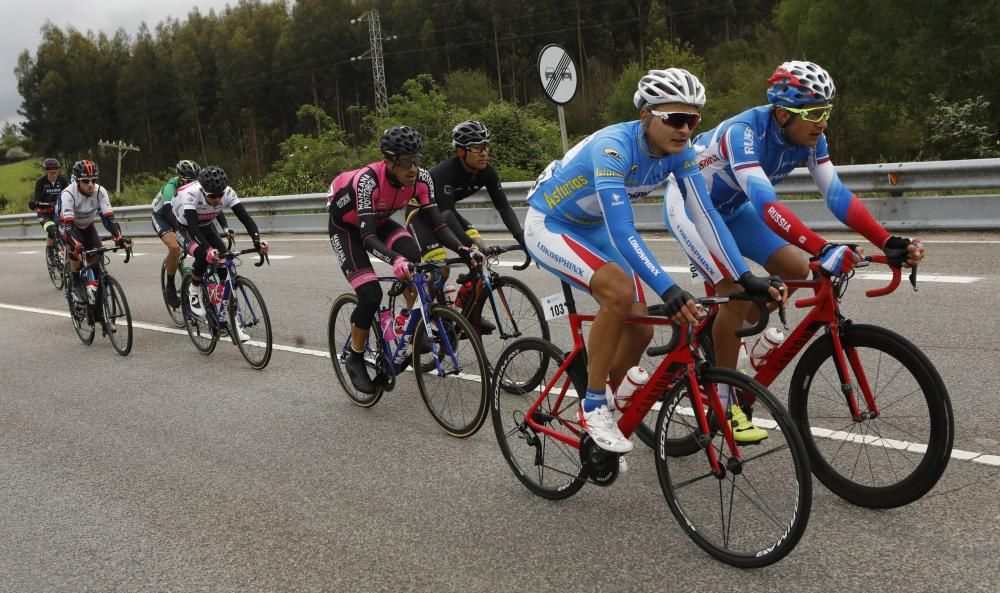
(600,425)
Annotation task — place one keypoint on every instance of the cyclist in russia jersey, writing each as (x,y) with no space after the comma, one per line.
(745,156)
(595,183)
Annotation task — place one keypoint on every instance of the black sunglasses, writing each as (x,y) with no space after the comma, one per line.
(408,161)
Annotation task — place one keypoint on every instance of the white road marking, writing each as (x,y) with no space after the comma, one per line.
(28,252)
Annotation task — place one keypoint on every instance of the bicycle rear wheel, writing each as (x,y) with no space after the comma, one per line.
(204,333)
(518,315)
(754,511)
(55,264)
(117,317)
(83,323)
(339,340)
(248,311)
(545,465)
(455,388)
(176,313)
(883,462)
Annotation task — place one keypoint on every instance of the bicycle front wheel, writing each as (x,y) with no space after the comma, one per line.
(338,334)
(176,313)
(518,314)
(454,386)
(248,311)
(546,465)
(880,461)
(753,509)
(204,333)
(117,317)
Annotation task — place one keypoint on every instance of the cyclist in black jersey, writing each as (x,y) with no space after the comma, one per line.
(454,180)
(47,190)
(458,178)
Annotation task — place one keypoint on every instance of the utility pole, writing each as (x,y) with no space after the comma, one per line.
(375,54)
(122,151)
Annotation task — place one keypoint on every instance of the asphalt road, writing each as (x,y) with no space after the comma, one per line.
(171,471)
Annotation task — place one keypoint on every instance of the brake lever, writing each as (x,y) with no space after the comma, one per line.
(913,278)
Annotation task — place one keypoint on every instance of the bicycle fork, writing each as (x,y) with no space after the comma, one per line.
(735,462)
(848,357)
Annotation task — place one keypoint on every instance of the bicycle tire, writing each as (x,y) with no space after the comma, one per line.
(779,466)
(545,465)
(115,307)
(204,333)
(809,404)
(55,268)
(338,340)
(459,414)
(83,323)
(254,320)
(520,316)
(176,314)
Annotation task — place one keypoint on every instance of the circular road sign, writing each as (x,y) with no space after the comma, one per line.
(557,73)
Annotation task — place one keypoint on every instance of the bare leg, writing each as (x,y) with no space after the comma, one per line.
(614,292)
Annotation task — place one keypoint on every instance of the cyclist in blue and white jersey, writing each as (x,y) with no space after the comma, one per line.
(745,156)
(580,226)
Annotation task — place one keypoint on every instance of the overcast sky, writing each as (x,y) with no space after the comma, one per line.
(24,30)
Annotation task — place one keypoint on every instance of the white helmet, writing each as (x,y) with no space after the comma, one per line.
(673,85)
(799,83)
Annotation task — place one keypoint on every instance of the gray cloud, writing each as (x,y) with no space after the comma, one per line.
(83,15)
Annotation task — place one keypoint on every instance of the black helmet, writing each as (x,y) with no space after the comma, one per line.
(213,179)
(469,133)
(85,169)
(397,140)
(187,169)
(50,163)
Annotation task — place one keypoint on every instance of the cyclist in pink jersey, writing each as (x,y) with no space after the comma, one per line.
(361,203)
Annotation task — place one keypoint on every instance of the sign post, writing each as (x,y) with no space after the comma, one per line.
(558,77)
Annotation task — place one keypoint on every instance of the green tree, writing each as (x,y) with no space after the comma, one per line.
(961,129)
(521,143)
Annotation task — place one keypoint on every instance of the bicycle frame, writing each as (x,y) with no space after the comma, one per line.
(826,313)
(391,348)
(228,262)
(483,279)
(681,362)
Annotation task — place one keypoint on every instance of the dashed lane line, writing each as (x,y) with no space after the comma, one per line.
(958,454)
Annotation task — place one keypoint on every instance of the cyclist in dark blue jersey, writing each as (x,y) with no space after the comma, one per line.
(580,226)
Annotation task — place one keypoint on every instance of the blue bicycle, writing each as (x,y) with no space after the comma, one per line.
(239,311)
(448,361)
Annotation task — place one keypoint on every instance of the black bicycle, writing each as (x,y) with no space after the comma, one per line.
(104,303)
(55,262)
(500,308)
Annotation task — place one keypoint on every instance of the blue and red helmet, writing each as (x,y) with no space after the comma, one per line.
(800,83)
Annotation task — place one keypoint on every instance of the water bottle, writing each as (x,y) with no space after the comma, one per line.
(387,323)
(764,345)
(462,294)
(401,320)
(450,292)
(634,379)
(91,284)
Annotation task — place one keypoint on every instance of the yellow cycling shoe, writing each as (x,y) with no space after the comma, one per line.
(744,431)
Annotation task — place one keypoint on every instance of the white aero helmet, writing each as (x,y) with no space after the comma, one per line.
(673,85)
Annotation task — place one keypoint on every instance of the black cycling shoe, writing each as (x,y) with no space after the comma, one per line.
(486,328)
(170,292)
(357,371)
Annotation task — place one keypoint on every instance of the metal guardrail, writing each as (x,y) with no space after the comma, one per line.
(304,213)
